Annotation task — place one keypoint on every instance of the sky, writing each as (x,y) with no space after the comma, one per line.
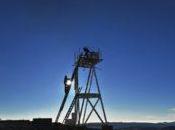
(38,39)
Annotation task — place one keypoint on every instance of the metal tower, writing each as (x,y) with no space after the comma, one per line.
(79,107)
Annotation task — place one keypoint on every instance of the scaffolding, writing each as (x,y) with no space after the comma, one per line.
(78,112)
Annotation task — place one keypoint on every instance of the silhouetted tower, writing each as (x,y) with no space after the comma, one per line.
(86,98)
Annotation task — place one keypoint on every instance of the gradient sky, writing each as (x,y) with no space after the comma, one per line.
(38,39)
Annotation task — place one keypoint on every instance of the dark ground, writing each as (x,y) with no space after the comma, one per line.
(46,124)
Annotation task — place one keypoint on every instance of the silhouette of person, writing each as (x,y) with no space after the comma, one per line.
(65,80)
(66,87)
(86,50)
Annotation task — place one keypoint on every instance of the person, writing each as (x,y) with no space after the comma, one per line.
(66,87)
(86,50)
(65,80)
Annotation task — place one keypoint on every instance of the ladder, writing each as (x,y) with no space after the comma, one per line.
(70,109)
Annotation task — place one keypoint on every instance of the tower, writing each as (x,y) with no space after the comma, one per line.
(82,105)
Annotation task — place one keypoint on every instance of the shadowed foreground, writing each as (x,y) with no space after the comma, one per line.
(40,124)
(46,124)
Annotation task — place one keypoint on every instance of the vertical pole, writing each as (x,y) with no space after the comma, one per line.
(100,96)
(90,84)
(77,100)
(87,85)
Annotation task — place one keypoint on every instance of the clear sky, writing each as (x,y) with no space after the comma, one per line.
(38,39)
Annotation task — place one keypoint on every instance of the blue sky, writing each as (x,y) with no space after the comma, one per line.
(39,38)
